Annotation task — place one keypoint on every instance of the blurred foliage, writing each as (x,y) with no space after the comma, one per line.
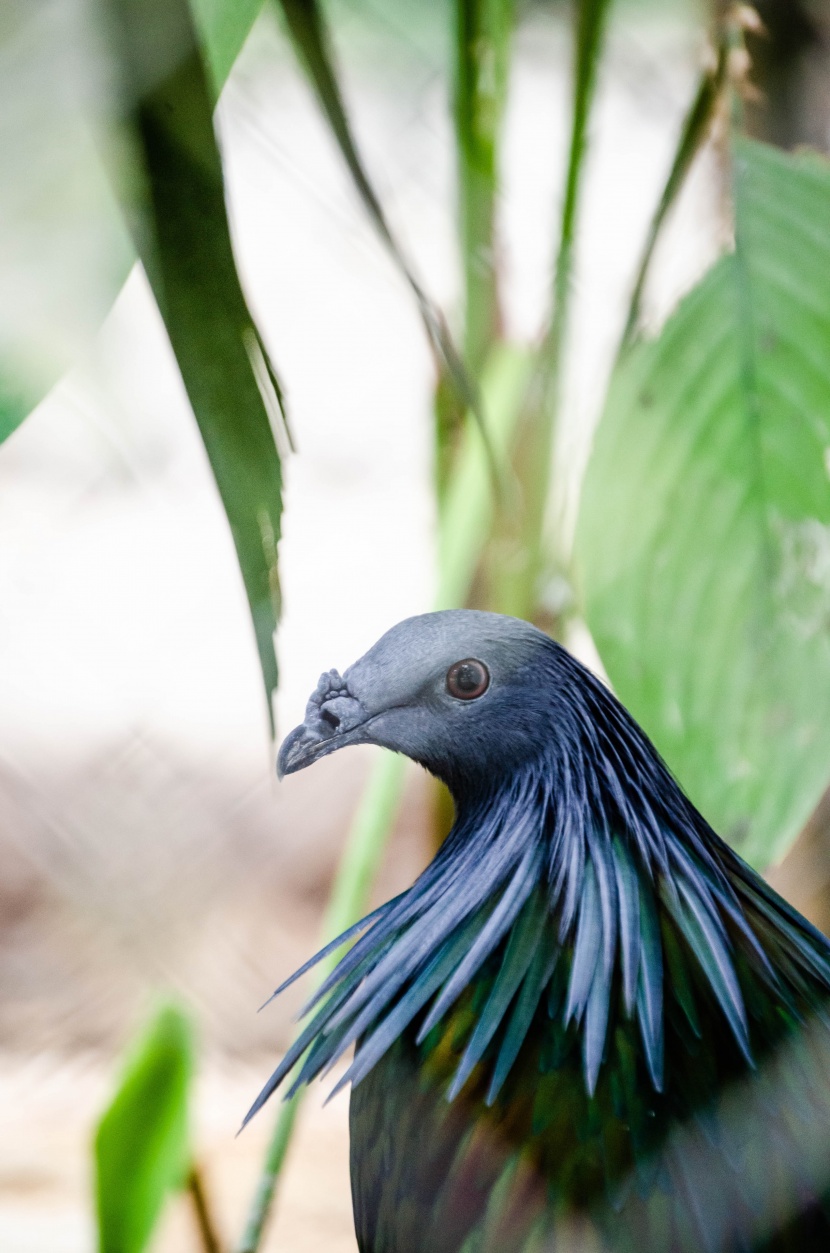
(66,249)
(142,1149)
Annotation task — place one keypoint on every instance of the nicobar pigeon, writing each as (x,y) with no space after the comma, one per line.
(588,1024)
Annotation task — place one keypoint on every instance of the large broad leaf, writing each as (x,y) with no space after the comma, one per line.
(704,536)
(141,1146)
(177,204)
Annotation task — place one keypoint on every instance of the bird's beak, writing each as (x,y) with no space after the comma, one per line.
(297,750)
(329,724)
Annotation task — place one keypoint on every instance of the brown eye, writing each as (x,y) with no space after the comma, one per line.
(468,679)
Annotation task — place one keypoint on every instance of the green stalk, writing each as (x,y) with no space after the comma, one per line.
(696,127)
(363,853)
(482,48)
(205,1224)
(521,587)
(468,505)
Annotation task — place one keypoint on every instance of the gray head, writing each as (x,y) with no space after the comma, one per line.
(467,694)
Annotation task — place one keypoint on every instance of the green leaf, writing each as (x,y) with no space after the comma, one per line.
(183,238)
(141,1146)
(704,535)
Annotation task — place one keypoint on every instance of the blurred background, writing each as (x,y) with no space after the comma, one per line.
(146,849)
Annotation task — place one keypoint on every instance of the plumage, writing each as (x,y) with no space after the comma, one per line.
(588,1024)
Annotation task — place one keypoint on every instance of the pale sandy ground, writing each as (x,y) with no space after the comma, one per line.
(144,843)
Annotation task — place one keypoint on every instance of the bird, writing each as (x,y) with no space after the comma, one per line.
(588,1024)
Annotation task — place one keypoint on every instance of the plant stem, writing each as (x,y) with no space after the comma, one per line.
(271,1168)
(520,590)
(204,1218)
(468,506)
(482,48)
(361,860)
(696,126)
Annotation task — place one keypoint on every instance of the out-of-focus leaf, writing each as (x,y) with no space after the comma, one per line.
(141,1146)
(182,233)
(65,249)
(16,402)
(482,33)
(224,25)
(704,535)
(311,39)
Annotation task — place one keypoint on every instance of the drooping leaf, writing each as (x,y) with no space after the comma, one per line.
(704,535)
(312,42)
(183,237)
(141,1145)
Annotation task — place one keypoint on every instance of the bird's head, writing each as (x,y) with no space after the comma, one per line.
(468,695)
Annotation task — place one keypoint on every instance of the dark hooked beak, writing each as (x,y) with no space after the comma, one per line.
(296,751)
(329,725)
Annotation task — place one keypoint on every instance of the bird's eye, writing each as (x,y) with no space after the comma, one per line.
(468,679)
